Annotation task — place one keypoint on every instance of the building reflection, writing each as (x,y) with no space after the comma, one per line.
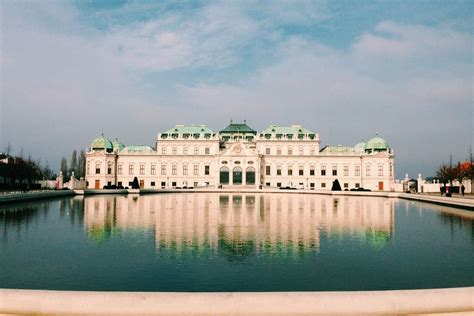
(239,224)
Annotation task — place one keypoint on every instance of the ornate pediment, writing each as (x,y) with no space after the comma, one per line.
(239,148)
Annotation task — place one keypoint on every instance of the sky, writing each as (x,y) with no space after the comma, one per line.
(71,70)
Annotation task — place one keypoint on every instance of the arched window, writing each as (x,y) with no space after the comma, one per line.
(237,175)
(224,175)
(250,175)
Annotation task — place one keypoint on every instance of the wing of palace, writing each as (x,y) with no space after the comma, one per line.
(239,157)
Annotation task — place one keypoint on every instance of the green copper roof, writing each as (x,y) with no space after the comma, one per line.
(238,128)
(118,146)
(337,150)
(190,129)
(287,130)
(359,147)
(101,143)
(137,149)
(376,143)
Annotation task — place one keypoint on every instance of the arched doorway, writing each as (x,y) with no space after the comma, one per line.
(250,175)
(237,175)
(224,175)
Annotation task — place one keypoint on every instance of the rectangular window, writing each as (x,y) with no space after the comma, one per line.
(290,151)
(130,183)
(196,170)
(185,170)
(346,185)
(267,184)
(380,170)
(185,150)
(207,150)
(163,150)
(119,183)
(174,170)
(290,171)
(357,185)
(152,183)
(109,183)
(142,169)
(278,151)
(334,170)
(109,169)
(278,184)
(346,171)
(196,150)
(391,170)
(301,171)
(311,185)
(323,185)
(97,169)
(357,170)
(163,184)
(119,169)
(173,184)
(367,169)
(311,171)
(278,171)
(163,169)
(267,170)
(301,151)
(175,150)
(130,169)
(323,170)
(267,151)
(153,170)
(195,184)
(206,170)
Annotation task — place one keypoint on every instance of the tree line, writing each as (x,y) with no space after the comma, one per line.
(19,172)
(447,173)
(77,164)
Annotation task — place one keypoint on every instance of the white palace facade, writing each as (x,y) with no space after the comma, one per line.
(239,157)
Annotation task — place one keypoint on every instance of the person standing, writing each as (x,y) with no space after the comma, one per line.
(463,188)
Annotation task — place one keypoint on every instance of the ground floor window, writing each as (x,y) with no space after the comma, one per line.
(163,184)
(346,185)
(224,175)
(323,185)
(109,183)
(119,183)
(173,184)
(130,183)
(357,185)
(278,184)
(237,175)
(195,184)
(311,185)
(267,184)
(152,183)
(250,175)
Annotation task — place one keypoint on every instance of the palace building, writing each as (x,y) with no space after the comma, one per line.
(240,157)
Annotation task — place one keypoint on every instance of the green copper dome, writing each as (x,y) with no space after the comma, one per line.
(102,143)
(376,144)
(118,146)
(359,147)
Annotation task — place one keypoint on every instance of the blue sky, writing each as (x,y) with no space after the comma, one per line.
(345,69)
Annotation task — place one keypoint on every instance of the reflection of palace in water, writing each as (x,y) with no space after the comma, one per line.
(270,222)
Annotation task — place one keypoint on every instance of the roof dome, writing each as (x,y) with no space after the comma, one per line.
(377,143)
(102,143)
(118,146)
(359,147)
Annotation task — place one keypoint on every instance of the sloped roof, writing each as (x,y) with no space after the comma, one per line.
(238,128)
(190,129)
(137,149)
(286,130)
(337,150)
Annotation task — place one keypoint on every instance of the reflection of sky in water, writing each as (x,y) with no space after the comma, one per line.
(241,224)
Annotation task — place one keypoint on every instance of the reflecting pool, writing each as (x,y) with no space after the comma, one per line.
(234,242)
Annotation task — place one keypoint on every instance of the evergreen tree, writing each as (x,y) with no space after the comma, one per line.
(73,164)
(64,169)
(81,165)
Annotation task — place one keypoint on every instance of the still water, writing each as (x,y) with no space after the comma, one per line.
(234,242)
